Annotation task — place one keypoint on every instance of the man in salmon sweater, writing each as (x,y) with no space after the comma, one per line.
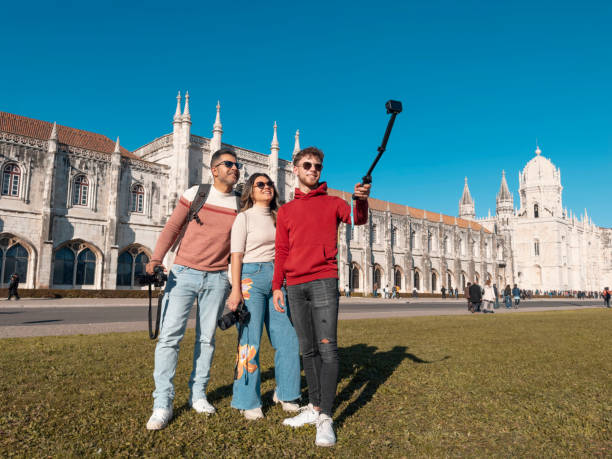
(199,271)
(306,249)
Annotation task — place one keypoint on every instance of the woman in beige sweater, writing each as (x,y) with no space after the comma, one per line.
(252,260)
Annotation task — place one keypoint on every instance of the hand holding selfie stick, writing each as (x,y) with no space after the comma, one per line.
(394,107)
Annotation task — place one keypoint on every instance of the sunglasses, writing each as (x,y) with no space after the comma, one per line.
(262,185)
(307,165)
(230,164)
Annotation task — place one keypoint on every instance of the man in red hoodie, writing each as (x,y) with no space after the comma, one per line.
(306,249)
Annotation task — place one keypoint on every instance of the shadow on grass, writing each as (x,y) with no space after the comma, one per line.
(368,370)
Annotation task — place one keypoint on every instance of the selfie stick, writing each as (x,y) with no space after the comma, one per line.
(394,107)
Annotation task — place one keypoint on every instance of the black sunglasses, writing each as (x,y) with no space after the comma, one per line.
(262,185)
(307,165)
(230,164)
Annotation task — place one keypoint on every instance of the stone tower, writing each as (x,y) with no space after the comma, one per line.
(505,201)
(466,204)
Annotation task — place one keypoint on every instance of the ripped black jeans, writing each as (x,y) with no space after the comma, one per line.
(314,312)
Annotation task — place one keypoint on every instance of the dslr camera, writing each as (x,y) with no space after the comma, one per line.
(158,278)
(240,315)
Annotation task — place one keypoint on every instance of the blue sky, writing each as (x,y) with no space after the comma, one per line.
(480,81)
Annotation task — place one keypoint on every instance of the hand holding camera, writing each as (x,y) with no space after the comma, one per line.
(234,300)
(241,316)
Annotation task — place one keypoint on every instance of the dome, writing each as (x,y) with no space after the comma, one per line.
(540,171)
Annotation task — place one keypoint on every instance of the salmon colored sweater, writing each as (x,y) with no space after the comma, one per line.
(307,236)
(204,247)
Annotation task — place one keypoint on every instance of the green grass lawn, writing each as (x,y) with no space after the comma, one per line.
(528,384)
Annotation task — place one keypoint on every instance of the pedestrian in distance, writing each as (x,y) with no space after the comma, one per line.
(347,291)
(516,293)
(199,273)
(306,249)
(13,286)
(475,292)
(488,297)
(456,293)
(252,267)
(606,296)
(466,294)
(443,290)
(508,296)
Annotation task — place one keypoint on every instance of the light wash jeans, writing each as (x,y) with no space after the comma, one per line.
(184,286)
(257,294)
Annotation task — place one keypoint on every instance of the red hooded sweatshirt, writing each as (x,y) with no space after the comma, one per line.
(307,236)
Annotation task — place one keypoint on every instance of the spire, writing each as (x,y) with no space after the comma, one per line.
(466,197)
(53,132)
(296,147)
(274,145)
(117,149)
(504,193)
(177,114)
(218,127)
(186,114)
(215,143)
(538,151)
(466,203)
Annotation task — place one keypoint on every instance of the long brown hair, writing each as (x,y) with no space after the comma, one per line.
(246,199)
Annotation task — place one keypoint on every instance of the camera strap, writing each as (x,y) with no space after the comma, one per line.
(154,333)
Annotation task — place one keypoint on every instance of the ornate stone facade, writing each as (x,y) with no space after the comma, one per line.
(552,248)
(79,211)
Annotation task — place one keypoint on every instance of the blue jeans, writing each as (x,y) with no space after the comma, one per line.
(184,286)
(257,294)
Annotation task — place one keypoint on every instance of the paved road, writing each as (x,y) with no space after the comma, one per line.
(74,316)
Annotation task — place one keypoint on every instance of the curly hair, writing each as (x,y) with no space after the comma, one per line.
(246,199)
(308,151)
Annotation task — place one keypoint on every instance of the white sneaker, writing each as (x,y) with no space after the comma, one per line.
(287,406)
(253,414)
(159,419)
(308,415)
(201,405)
(325,431)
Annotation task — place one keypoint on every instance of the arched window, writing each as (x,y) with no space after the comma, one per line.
(13,260)
(462,280)
(354,277)
(412,240)
(377,277)
(137,194)
(434,282)
(80,190)
(130,265)
(536,211)
(86,268)
(63,267)
(397,278)
(417,280)
(393,236)
(462,246)
(374,233)
(449,280)
(429,242)
(536,248)
(11,177)
(74,265)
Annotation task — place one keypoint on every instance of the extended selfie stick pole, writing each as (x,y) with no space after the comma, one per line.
(394,107)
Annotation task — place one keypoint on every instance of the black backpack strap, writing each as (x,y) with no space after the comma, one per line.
(197,203)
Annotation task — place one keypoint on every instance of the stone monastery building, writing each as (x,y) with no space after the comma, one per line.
(77,210)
